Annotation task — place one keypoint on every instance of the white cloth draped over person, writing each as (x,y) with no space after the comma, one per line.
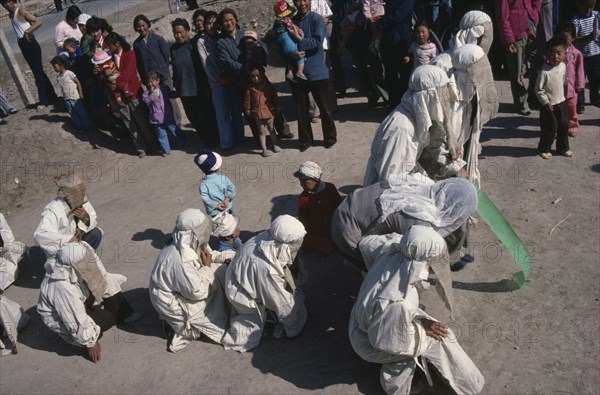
(387,326)
(76,275)
(419,124)
(68,217)
(12,319)
(397,204)
(11,252)
(259,280)
(187,283)
(470,72)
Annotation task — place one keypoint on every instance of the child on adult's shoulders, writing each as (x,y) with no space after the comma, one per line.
(316,205)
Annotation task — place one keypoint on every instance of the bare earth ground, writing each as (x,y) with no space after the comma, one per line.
(540,339)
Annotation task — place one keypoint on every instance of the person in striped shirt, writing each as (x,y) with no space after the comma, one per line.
(587,24)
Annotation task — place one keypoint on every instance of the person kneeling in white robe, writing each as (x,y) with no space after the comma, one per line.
(11,252)
(388,327)
(259,280)
(79,299)
(187,283)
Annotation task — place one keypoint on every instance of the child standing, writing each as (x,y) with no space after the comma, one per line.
(216,190)
(575,76)
(550,91)
(72,94)
(161,113)
(255,54)
(262,103)
(283,23)
(587,41)
(421,51)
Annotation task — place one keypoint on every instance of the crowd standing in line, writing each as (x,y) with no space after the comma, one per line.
(411,218)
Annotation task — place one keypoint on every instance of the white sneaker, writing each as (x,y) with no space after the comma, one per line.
(41,107)
(276,148)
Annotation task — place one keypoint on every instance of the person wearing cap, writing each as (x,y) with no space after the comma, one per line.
(216,190)
(67,28)
(283,23)
(79,300)
(187,283)
(316,205)
(401,202)
(310,45)
(387,324)
(254,53)
(225,227)
(70,217)
(259,283)
(418,134)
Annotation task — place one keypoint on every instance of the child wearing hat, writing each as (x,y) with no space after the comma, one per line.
(255,54)
(216,190)
(283,22)
(225,227)
(316,205)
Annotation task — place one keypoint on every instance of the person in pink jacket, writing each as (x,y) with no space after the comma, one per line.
(517,20)
(574,75)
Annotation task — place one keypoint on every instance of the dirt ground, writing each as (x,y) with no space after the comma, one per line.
(539,339)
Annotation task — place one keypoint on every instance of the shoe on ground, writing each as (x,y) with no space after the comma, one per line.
(133,317)
(525,111)
(468,258)
(290,77)
(568,154)
(329,144)
(303,147)
(580,110)
(286,135)
(41,107)
(545,155)
(142,154)
(315,119)
(266,153)
(458,266)
(164,155)
(276,148)
(3,121)
(12,111)
(301,76)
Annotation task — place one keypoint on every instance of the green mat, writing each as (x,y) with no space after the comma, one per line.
(501,228)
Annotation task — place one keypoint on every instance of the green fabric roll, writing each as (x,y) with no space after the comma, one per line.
(501,228)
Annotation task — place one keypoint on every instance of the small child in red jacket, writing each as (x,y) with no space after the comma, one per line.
(316,205)
(262,103)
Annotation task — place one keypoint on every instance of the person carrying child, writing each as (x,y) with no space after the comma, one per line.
(575,75)
(550,91)
(262,103)
(161,113)
(216,190)
(421,51)
(72,95)
(282,26)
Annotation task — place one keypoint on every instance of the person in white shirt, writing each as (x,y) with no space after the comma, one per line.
(549,88)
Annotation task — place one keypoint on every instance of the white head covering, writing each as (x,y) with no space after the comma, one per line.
(446,204)
(462,59)
(191,233)
(71,189)
(422,99)
(286,235)
(472,26)
(309,170)
(82,19)
(225,224)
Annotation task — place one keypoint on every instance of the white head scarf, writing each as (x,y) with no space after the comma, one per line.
(191,233)
(473,25)
(446,204)
(423,100)
(419,248)
(280,249)
(71,189)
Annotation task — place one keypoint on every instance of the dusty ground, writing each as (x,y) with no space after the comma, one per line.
(540,339)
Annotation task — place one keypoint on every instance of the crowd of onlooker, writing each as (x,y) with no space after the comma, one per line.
(216,69)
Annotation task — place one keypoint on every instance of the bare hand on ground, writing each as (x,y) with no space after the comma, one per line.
(94,352)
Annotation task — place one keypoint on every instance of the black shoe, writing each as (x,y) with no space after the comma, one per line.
(12,111)
(580,110)
(303,147)
(525,112)
(329,144)
(287,135)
